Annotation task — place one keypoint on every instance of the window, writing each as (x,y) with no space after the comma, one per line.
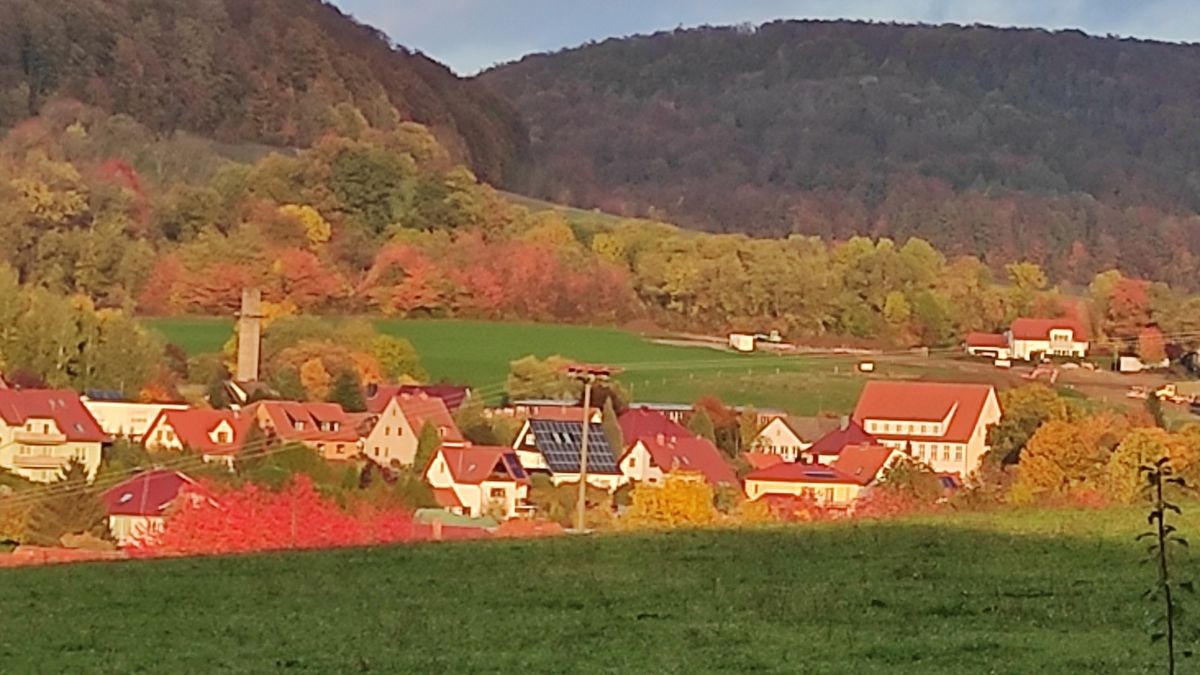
(222,436)
(924,428)
(159,435)
(958,453)
(387,431)
(632,462)
(497,493)
(828,494)
(946,452)
(45,428)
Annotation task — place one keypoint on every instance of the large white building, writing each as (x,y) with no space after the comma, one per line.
(943,425)
(43,430)
(1031,339)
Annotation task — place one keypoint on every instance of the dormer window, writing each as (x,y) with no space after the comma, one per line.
(222,436)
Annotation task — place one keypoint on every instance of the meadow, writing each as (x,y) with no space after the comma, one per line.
(478,353)
(1024,591)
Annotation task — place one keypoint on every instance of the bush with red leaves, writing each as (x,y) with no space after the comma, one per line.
(249,519)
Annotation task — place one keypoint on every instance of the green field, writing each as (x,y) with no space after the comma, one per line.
(478,353)
(1011,592)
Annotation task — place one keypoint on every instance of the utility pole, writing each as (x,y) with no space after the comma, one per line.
(588,375)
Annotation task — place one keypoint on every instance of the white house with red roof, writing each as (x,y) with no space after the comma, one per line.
(137,508)
(1033,338)
(396,432)
(217,435)
(120,418)
(655,446)
(379,395)
(991,345)
(43,430)
(477,481)
(827,448)
(837,485)
(790,436)
(940,424)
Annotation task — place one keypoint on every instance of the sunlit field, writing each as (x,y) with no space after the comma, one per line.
(1012,592)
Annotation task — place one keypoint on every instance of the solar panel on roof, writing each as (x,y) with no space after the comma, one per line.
(560,443)
(514,466)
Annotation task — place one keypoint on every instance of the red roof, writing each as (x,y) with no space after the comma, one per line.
(475,464)
(638,423)
(421,409)
(762,460)
(690,454)
(559,413)
(452,395)
(857,465)
(295,421)
(194,428)
(924,402)
(833,442)
(446,498)
(994,340)
(146,494)
(1039,329)
(61,405)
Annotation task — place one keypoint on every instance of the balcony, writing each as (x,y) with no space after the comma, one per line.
(27,437)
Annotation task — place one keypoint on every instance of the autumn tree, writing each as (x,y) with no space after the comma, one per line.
(1141,447)
(1025,409)
(67,507)
(347,392)
(429,441)
(1064,456)
(701,425)
(681,499)
(534,378)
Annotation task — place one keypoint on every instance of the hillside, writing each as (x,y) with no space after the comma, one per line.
(1000,592)
(279,72)
(1079,153)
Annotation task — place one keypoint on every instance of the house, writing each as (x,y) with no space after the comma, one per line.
(43,430)
(334,433)
(561,411)
(650,458)
(991,345)
(554,448)
(742,342)
(477,481)
(827,448)
(835,486)
(217,435)
(137,508)
(943,425)
(120,418)
(1031,339)
(378,395)
(655,445)
(676,412)
(789,436)
(396,432)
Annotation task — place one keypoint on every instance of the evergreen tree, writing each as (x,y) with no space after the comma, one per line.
(69,507)
(216,395)
(428,444)
(612,428)
(347,392)
(286,382)
(702,425)
(474,424)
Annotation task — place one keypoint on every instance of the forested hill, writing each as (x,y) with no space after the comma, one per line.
(1077,152)
(267,71)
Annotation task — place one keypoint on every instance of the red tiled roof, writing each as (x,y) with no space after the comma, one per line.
(422,409)
(452,395)
(62,405)
(833,442)
(924,402)
(193,427)
(690,454)
(146,494)
(994,340)
(800,473)
(762,460)
(475,464)
(1039,329)
(558,413)
(640,423)
(321,421)
(863,462)
(446,498)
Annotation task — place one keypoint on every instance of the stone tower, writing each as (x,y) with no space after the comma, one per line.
(249,335)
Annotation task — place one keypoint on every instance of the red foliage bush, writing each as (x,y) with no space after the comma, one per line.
(883,503)
(249,519)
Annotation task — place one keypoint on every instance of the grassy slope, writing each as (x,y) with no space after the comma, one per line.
(478,353)
(1017,592)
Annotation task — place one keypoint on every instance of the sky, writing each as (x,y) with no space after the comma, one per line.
(471,35)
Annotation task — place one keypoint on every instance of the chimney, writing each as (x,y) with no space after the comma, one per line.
(249,335)
(661,439)
(845,423)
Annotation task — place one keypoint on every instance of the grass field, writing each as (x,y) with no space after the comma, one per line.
(479,352)
(1013,592)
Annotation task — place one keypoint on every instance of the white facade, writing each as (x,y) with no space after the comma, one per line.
(742,342)
(777,438)
(924,440)
(126,419)
(1061,342)
(638,466)
(39,451)
(505,497)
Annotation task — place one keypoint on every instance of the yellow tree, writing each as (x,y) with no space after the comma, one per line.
(683,498)
(1063,456)
(1142,447)
(316,379)
(316,229)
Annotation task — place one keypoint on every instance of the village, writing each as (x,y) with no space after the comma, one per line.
(823,463)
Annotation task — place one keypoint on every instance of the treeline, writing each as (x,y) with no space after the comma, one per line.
(1071,151)
(279,72)
(373,221)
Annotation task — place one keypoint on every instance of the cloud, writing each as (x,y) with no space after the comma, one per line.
(470,35)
